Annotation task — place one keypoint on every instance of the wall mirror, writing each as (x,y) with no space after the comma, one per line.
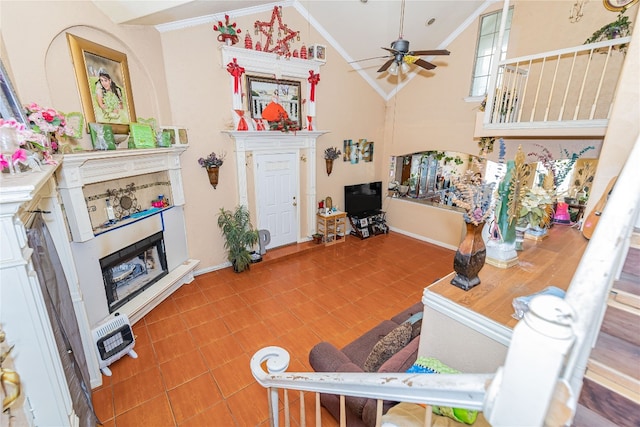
(427,176)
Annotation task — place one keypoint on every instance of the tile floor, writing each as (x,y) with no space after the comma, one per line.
(194,348)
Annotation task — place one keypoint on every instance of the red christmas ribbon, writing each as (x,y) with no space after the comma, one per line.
(242,123)
(309,124)
(236,71)
(259,124)
(313,79)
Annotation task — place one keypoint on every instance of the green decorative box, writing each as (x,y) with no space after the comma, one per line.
(141,136)
(102,136)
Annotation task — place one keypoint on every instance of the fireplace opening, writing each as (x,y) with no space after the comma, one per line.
(128,272)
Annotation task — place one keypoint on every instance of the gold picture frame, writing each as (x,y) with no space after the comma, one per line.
(618,5)
(103,80)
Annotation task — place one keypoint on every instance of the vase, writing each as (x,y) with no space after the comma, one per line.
(213,176)
(469,258)
(329,163)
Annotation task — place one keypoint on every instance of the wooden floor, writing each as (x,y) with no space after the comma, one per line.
(550,262)
(194,348)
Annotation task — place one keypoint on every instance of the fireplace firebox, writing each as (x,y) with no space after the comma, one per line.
(129,271)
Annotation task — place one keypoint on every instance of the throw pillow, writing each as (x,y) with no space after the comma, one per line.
(416,324)
(384,349)
(431,365)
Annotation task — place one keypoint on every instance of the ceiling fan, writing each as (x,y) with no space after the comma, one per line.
(401,55)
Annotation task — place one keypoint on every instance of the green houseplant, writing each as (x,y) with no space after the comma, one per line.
(239,236)
(621,27)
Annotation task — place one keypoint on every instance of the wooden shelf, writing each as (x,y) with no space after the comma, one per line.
(333,227)
(365,226)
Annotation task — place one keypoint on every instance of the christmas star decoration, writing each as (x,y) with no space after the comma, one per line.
(281,44)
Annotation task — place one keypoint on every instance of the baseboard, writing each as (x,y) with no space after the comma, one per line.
(422,238)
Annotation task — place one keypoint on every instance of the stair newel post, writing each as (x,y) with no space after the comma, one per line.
(277,359)
(522,391)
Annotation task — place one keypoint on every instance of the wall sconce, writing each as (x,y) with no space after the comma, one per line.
(576,11)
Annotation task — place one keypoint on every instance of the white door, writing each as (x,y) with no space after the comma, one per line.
(277,196)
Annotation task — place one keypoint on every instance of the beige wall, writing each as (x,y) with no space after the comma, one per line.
(200,99)
(177,77)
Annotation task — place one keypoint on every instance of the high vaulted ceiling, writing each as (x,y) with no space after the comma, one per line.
(356,29)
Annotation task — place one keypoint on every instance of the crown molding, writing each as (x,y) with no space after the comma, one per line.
(207,19)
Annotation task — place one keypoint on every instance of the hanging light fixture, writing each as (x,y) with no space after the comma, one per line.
(393,69)
(404,67)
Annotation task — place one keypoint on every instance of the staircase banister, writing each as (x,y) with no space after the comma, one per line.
(567,50)
(457,390)
(601,263)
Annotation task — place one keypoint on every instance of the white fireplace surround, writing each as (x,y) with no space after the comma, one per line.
(87,248)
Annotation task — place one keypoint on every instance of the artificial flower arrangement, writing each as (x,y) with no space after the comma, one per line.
(284,124)
(227,31)
(25,139)
(47,123)
(559,169)
(474,195)
(536,208)
(332,153)
(212,160)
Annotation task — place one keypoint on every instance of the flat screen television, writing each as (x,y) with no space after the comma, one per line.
(363,199)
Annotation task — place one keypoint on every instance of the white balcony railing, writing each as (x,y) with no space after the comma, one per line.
(572,87)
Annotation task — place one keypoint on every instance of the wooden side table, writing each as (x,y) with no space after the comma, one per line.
(332,226)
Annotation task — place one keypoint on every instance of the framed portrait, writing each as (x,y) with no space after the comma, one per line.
(10,106)
(268,98)
(103,79)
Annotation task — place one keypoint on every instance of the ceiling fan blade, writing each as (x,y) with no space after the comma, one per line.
(424,64)
(430,52)
(394,51)
(386,65)
(367,59)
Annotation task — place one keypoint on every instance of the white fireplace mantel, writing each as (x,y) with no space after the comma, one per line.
(272,141)
(80,169)
(269,63)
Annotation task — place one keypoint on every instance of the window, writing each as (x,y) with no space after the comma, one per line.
(487,40)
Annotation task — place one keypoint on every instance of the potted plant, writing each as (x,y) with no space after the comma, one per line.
(239,235)
(330,154)
(536,211)
(621,27)
(212,164)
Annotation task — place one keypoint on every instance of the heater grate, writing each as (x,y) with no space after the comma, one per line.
(113,340)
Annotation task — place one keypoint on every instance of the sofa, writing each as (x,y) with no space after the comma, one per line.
(358,356)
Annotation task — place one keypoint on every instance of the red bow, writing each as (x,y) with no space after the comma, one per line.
(242,123)
(309,124)
(313,79)
(236,71)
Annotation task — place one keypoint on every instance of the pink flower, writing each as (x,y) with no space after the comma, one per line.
(20,155)
(49,115)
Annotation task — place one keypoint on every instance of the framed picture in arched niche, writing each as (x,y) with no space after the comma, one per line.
(102,75)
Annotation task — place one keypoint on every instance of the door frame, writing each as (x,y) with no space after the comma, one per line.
(270,141)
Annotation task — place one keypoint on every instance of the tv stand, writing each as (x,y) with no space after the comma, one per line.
(367,224)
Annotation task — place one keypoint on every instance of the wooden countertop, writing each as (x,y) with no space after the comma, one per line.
(550,262)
